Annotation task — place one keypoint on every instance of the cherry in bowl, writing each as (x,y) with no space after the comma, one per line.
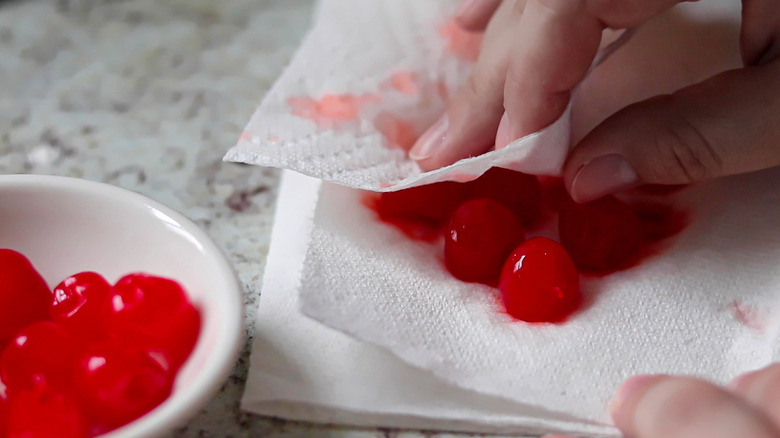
(66,226)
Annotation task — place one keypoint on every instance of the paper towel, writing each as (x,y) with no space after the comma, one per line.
(678,312)
(369,78)
(303,370)
(706,306)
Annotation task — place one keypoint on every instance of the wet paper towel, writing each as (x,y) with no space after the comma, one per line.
(360,90)
(705,306)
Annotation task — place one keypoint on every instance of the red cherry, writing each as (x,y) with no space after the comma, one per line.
(519,192)
(659,221)
(539,282)
(603,235)
(40,353)
(152,314)
(43,412)
(115,388)
(431,204)
(24,295)
(480,236)
(3,411)
(77,305)
(554,194)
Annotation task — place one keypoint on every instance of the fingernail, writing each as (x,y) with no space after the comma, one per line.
(602,176)
(465,7)
(503,133)
(627,389)
(432,140)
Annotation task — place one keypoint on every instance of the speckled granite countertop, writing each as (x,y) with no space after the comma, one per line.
(148,95)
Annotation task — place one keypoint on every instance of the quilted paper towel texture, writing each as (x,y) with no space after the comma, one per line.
(368,79)
(705,306)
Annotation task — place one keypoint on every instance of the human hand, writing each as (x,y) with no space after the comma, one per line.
(536,51)
(683,407)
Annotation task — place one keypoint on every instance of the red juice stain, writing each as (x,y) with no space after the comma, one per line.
(460,43)
(399,133)
(418,230)
(331,109)
(554,195)
(405,82)
(245,136)
(748,316)
(430,204)
(519,192)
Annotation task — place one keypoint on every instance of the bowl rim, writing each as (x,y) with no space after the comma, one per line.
(213,375)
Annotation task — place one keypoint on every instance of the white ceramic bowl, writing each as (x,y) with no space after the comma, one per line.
(67,225)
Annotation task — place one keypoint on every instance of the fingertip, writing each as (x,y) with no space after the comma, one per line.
(760,389)
(431,142)
(628,396)
(600,177)
(428,164)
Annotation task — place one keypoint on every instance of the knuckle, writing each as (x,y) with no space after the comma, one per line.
(686,154)
(482,89)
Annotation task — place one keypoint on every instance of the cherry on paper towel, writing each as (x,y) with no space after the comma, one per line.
(430,204)
(539,282)
(603,235)
(518,191)
(480,236)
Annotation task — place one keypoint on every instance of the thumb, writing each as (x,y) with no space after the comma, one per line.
(726,125)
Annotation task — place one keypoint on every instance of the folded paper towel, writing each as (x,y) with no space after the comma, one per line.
(303,370)
(359,92)
(679,312)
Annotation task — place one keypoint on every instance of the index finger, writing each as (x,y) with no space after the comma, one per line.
(555,44)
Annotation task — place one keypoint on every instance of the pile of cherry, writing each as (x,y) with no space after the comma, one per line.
(484,223)
(90,356)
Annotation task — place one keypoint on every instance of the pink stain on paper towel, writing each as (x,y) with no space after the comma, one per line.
(398,132)
(462,44)
(748,316)
(245,136)
(331,109)
(405,82)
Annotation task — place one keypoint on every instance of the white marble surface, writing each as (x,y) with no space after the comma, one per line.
(148,95)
